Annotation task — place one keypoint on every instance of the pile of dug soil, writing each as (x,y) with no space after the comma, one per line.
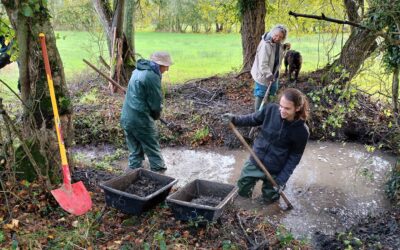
(211,201)
(91,177)
(144,186)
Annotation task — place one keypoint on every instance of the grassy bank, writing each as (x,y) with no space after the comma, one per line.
(195,55)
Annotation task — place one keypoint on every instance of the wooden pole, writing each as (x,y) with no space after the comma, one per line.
(260,164)
(105,76)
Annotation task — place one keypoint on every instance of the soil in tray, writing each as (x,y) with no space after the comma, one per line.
(211,201)
(143,186)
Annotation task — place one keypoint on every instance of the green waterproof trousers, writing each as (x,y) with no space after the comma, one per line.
(248,178)
(143,140)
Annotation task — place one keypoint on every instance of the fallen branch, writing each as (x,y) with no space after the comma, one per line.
(250,240)
(215,95)
(199,80)
(105,76)
(121,88)
(104,63)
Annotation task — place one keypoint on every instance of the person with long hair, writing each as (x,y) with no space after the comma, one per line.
(279,145)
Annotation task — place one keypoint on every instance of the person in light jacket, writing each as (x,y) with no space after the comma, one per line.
(268,59)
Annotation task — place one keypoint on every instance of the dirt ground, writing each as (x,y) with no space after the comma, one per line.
(235,229)
(381,232)
(196,107)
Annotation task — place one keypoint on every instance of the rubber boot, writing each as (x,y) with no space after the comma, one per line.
(257,103)
(246,186)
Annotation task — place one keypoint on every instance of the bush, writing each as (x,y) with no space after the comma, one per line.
(393,185)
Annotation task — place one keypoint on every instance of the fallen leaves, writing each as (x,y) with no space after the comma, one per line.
(12,226)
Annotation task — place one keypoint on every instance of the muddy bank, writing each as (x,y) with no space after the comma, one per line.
(337,192)
(197,107)
(372,232)
(334,186)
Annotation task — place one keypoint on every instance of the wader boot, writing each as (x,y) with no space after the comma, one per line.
(144,141)
(269,195)
(248,178)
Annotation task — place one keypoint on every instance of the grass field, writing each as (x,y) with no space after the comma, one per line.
(194,55)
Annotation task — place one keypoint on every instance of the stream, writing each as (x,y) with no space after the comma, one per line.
(333,186)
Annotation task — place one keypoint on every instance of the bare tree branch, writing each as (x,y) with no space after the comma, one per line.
(325,18)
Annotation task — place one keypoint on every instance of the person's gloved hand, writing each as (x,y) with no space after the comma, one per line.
(227,117)
(279,188)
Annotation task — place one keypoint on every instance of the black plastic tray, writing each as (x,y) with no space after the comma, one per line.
(183,209)
(130,203)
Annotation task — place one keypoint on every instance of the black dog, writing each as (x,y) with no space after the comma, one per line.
(4,59)
(294,60)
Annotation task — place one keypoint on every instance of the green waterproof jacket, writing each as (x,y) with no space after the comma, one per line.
(143,99)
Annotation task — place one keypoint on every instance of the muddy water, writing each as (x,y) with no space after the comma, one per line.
(333,185)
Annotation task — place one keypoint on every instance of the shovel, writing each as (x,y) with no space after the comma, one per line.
(74,198)
(260,164)
(263,102)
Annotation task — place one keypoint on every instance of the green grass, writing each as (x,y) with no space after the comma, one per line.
(194,55)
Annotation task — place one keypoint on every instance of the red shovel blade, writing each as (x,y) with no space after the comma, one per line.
(75,200)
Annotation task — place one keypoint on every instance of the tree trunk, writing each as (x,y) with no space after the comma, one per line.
(395,90)
(129,27)
(357,48)
(352,11)
(219,27)
(252,28)
(129,31)
(104,13)
(125,40)
(38,115)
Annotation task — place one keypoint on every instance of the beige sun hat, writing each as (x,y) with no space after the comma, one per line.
(161,58)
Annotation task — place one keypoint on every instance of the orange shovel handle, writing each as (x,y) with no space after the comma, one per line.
(64,162)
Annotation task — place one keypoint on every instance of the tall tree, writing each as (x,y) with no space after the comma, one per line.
(358,47)
(385,15)
(114,17)
(29,18)
(252,14)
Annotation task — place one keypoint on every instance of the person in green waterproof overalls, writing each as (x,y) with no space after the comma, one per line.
(279,145)
(143,105)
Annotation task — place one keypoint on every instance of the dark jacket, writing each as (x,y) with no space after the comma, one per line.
(4,57)
(144,95)
(280,143)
